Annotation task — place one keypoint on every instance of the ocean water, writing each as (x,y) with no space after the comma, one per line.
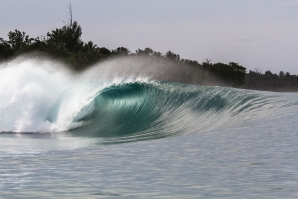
(67,135)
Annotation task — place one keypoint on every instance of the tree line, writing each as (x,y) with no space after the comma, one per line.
(269,81)
(66,45)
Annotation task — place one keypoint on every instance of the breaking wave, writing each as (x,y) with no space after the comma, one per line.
(35,99)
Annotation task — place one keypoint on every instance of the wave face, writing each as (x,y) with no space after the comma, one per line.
(37,100)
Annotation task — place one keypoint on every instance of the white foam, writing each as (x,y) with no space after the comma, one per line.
(28,92)
(42,96)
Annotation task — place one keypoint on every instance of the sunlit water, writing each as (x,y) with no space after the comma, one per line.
(138,138)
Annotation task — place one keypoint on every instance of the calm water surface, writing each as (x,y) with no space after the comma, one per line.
(250,160)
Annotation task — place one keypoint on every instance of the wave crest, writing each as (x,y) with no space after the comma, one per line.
(119,110)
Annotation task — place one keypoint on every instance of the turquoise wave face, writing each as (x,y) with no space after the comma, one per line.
(149,110)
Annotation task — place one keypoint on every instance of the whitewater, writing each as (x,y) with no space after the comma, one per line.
(135,132)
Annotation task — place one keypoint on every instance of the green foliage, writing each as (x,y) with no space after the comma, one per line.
(104,52)
(121,51)
(18,40)
(271,81)
(172,56)
(5,49)
(148,52)
(68,37)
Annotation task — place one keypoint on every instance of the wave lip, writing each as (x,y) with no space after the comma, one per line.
(136,110)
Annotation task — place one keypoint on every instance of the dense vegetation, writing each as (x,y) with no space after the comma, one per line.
(270,81)
(66,45)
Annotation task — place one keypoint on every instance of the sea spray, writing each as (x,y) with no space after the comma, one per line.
(27,92)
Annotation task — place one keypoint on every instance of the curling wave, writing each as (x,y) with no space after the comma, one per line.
(36,100)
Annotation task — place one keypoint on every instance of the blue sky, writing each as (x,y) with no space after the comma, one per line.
(259,34)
